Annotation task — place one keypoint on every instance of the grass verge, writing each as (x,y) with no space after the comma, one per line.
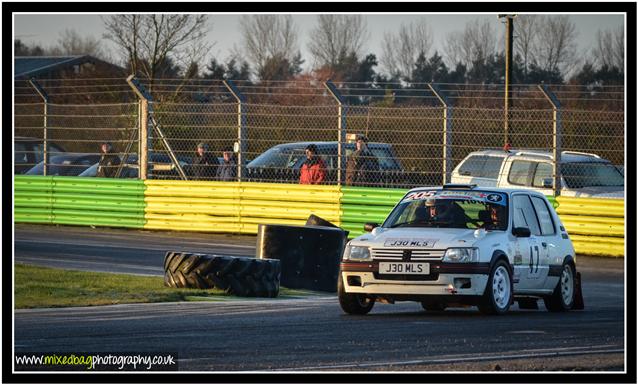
(37,286)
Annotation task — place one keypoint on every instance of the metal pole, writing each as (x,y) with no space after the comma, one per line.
(557,135)
(447,132)
(143,126)
(509,38)
(45,134)
(341,134)
(241,126)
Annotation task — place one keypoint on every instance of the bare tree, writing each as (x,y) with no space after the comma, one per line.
(153,42)
(610,48)
(525,31)
(475,44)
(555,44)
(401,51)
(266,37)
(71,42)
(337,36)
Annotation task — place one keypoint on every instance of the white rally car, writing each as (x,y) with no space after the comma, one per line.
(459,245)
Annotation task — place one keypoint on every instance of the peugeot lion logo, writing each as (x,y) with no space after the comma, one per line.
(407,254)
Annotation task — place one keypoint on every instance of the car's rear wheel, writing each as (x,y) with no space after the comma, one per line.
(562,299)
(433,306)
(499,290)
(351,303)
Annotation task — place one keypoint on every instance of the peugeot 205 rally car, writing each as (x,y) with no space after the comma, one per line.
(459,245)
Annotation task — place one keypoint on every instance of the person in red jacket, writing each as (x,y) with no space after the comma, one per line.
(313,170)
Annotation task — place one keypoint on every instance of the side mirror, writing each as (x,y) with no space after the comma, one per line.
(521,232)
(370,226)
(548,183)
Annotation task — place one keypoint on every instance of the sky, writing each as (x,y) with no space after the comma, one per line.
(224,32)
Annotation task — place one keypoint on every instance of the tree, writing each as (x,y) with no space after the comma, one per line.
(475,44)
(610,48)
(21,49)
(432,70)
(555,44)
(525,30)
(268,39)
(71,42)
(401,51)
(149,41)
(336,36)
(280,68)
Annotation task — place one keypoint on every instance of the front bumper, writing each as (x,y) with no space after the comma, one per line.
(445,279)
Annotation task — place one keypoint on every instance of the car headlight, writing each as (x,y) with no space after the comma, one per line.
(461,255)
(356,252)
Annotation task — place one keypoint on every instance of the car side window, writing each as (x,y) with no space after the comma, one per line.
(472,165)
(524,215)
(545,218)
(38,152)
(543,171)
(492,167)
(20,153)
(520,172)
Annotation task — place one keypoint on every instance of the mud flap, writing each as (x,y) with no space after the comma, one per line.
(579,303)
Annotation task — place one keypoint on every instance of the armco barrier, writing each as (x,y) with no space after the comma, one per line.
(79,201)
(235,207)
(596,226)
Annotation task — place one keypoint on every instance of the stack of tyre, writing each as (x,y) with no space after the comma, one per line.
(241,276)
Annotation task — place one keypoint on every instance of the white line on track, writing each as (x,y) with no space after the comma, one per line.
(144,246)
(582,350)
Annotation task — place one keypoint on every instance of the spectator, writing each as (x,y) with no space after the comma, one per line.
(109,162)
(227,170)
(204,163)
(313,169)
(362,166)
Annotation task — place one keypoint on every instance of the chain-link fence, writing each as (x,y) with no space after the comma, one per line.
(416,134)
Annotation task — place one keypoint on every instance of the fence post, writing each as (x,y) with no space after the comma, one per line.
(557,135)
(341,127)
(45,135)
(143,127)
(241,126)
(447,131)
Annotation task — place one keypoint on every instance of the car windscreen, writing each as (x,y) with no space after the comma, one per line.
(278,157)
(451,209)
(589,174)
(64,165)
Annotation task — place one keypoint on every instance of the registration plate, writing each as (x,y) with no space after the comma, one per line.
(404,268)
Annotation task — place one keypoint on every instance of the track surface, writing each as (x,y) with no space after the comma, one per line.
(308,334)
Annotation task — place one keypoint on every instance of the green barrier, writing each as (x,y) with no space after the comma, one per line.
(79,201)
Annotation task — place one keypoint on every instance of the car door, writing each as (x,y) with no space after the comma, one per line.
(549,244)
(527,256)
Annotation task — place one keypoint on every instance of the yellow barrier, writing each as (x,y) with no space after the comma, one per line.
(595,226)
(235,207)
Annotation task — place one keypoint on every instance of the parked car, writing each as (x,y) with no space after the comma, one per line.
(68,164)
(29,152)
(461,253)
(282,162)
(583,174)
(160,166)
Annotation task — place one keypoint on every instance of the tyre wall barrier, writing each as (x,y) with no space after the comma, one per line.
(242,276)
(309,255)
(235,207)
(596,226)
(79,201)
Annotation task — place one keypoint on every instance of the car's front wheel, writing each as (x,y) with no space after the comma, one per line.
(498,293)
(562,299)
(358,304)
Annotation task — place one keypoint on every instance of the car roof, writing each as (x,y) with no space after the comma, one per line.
(325,144)
(505,190)
(566,156)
